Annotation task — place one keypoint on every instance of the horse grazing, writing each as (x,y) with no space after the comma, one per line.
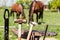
(36,7)
(18,9)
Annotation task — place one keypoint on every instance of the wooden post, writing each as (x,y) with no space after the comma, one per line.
(19,31)
(45,32)
(19,21)
(6,27)
(30,31)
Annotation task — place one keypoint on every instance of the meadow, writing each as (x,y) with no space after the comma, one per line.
(50,18)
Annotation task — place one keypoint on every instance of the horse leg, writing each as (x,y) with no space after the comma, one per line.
(31,18)
(41,16)
(17,16)
(37,17)
(11,14)
(31,14)
(23,14)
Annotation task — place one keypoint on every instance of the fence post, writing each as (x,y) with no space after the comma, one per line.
(45,32)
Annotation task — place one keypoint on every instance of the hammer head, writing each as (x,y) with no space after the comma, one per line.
(20,20)
(34,23)
(15,20)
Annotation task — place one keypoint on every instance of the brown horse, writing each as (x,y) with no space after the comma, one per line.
(36,7)
(18,9)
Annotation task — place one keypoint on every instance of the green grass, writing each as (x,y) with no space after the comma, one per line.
(49,18)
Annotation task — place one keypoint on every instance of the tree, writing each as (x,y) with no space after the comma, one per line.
(25,3)
(54,4)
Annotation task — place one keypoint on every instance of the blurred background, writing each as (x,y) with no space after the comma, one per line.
(51,16)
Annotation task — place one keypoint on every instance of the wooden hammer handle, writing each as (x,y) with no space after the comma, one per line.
(30,31)
(19,31)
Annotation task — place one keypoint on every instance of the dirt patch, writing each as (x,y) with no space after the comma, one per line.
(48,38)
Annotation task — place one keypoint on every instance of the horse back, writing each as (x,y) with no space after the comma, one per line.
(37,5)
(16,8)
